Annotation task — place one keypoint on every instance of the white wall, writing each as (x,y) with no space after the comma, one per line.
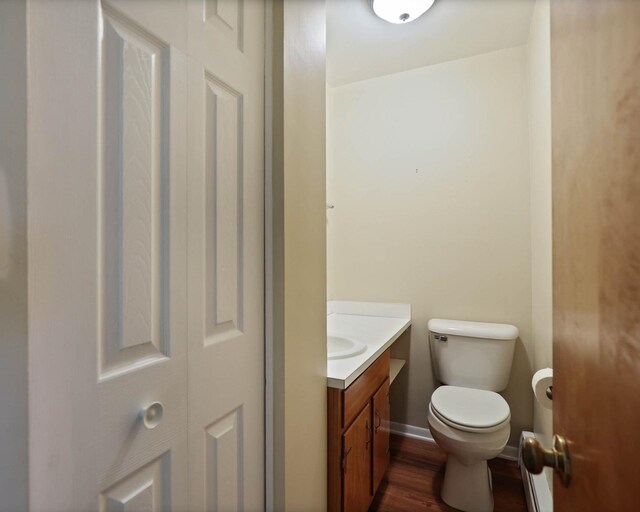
(429,173)
(539,77)
(305,264)
(13,257)
(298,265)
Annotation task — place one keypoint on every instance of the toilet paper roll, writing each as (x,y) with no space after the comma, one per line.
(542,379)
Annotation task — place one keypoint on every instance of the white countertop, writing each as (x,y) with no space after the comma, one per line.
(374,324)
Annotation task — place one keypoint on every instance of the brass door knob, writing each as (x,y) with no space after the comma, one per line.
(535,457)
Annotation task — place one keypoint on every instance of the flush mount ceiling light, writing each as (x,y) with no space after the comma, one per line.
(400,11)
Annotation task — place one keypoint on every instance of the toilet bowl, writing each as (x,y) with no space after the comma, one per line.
(472,426)
(467,418)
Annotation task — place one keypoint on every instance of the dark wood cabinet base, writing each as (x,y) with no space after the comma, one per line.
(358,438)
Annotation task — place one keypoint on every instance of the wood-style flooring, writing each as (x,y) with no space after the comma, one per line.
(415,476)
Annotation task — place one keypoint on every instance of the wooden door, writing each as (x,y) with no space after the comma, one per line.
(107,254)
(381,418)
(356,463)
(595,52)
(226,255)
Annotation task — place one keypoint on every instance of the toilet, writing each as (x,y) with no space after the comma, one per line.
(467,417)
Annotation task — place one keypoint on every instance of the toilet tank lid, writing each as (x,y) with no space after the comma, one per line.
(473,329)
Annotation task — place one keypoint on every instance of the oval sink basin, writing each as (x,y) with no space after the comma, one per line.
(341,348)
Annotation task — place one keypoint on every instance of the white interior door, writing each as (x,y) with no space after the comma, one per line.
(226,255)
(107,258)
(145,254)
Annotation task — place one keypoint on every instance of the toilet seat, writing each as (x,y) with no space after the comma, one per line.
(470,410)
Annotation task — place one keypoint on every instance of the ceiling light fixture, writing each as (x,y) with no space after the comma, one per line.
(400,11)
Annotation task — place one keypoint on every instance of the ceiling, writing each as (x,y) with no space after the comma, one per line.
(360,45)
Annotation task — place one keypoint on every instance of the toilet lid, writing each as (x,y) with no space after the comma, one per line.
(475,408)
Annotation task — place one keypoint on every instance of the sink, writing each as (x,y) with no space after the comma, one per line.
(339,347)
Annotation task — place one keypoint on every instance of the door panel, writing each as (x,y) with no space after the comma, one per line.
(226,248)
(108,317)
(121,221)
(134,181)
(144,489)
(223,456)
(141,250)
(595,53)
(381,418)
(223,206)
(226,19)
(356,465)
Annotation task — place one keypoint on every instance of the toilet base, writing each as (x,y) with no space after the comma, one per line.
(467,487)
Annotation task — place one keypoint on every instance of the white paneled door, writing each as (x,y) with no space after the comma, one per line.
(226,256)
(146,162)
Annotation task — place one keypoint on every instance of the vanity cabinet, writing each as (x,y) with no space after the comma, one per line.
(358,438)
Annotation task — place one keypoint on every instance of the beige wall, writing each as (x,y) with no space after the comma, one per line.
(429,173)
(298,248)
(539,75)
(13,257)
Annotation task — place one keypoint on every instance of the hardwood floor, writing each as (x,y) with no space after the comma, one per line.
(415,474)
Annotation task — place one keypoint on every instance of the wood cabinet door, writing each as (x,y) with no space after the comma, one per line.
(381,417)
(356,463)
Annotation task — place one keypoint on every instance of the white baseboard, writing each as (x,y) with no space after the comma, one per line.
(411,431)
(536,488)
(509,452)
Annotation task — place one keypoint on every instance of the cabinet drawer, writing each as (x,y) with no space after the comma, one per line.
(360,392)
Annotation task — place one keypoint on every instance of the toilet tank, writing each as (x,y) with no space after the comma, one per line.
(472,354)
